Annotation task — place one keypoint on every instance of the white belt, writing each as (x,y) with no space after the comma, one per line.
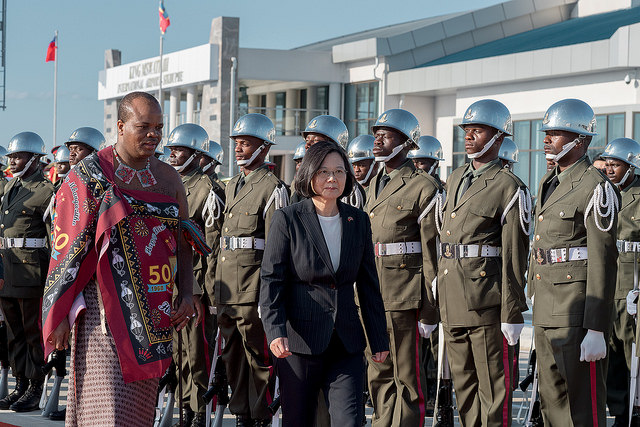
(382,249)
(554,256)
(449,250)
(233,243)
(22,242)
(627,246)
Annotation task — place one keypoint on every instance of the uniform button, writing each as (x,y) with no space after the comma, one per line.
(453,214)
(226,229)
(6,212)
(24,261)
(446,271)
(403,265)
(399,207)
(633,218)
(540,218)
(448,233)
(537,237)
(23,212)
(538,276)
(246,213)
(223,259)
(1,225)
(561,214)
(231,215)
(568,276)
(482,274)
(371,215)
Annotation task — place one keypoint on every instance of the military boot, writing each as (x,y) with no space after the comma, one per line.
(262,423)
(199,419)
(29,401)
(244,421)
(22,383)
(187,417)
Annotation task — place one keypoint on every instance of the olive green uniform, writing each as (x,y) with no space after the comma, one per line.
(237,287)
(623,332)
(573,291)
(398,384)
(479,291)
(25,269)
(194,362)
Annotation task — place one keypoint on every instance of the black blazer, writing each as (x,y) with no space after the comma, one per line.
(301,297)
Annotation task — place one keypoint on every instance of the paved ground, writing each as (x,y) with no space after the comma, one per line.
(9,418)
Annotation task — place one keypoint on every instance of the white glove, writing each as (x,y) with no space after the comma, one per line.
(434,287)
(426,330)
(632,302)
(593,346)
(511,332)
(213,309)
(532,298)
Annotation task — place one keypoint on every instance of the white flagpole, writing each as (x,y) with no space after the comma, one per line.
(160,100)
(55,88)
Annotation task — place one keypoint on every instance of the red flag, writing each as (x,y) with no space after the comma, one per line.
(51,50)
(164,17)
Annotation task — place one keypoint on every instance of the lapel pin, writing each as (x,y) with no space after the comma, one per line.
(349,219)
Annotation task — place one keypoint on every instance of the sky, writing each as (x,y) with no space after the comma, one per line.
(88,27)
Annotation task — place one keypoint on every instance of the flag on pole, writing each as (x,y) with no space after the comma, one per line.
(164,17)
(51,50)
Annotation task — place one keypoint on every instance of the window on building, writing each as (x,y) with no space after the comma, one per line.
(278,114)
(243,102)
(532,164)
(360,107)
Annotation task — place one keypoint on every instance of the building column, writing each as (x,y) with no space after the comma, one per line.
(174,108)
(289,168)
(335,99)
(291,118)
(271,106)
(191,104)
(254,103)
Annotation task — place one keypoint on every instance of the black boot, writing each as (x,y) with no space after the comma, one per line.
(187,417)
(22,383)
(244,421)
(262,423)
(58,415)
(31,399)
(199,419)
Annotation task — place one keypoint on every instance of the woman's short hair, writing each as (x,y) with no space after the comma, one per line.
(312,161)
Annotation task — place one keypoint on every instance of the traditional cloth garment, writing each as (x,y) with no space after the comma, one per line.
(124,238)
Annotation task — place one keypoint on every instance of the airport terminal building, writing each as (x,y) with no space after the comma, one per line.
(527,54)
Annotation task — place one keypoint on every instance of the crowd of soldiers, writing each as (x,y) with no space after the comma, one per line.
(452,260)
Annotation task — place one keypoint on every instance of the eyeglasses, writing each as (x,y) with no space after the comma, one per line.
(324,174)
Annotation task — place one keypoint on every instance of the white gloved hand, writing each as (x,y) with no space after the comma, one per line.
(593,346)
(532,298)
(426,330)
(434,287)
(511,332)
(213,309)
(632,302)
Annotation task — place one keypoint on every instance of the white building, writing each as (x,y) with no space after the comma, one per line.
(525,53)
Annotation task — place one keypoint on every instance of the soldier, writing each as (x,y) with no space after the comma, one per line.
(622,156)
(508,153)
(3,165)
(82,142)
(252,197)
(62,165)
(298,155)
(360,154)
(211,156)
(25,255)
(599,163)
(184,143)
(428,156)
(482,268)
(572,271)
(399,198)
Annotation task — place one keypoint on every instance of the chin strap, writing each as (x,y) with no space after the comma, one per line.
(565,149)
(366,178)
(486,147)
(206,168)
(394,152)
(433,168)
(247,162)
(25,168)
(626,176)
(180,168)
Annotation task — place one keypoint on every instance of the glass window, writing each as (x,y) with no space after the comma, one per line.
(279,112)
(360,107)
(636,126)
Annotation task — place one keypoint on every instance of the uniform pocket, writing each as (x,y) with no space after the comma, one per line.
(569,291)
(399,214)
(482,283)
(564,224)
(480,218)
(248,217)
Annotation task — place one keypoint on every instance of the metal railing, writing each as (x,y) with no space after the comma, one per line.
(289,121)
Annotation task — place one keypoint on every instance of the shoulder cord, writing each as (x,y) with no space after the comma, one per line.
(213,208)
(523,197)
(438,202)
(354,199)
(280,197)
(50,210)
(604,203)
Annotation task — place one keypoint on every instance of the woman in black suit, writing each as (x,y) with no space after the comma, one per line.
(317,249)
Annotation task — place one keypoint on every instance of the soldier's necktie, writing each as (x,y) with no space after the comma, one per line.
(239,185)
(551,186)
(14,189)
(466,183)
(383,181)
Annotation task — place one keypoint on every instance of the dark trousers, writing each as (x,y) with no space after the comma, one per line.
(618,375)
(24,336)
(337,373)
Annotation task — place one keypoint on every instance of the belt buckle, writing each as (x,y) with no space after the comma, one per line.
(233,243)
(447,250)
(380,249)
(541,258)
(225,243)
